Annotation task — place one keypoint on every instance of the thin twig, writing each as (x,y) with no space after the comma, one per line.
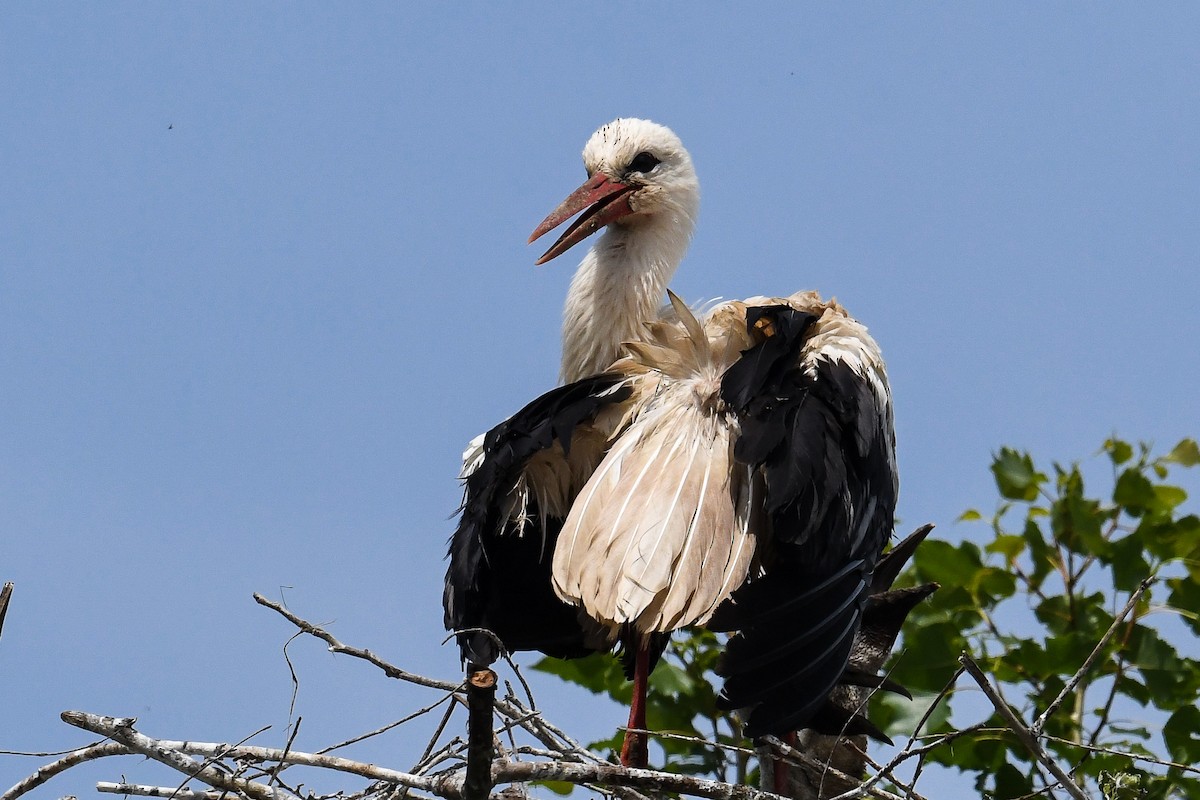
(437,734)
(682,737)
(885,771)
(385,728)
(5,596)
(1036,591)
(546,733)
(1130,754)
(286,748)
(507,730)
(336,646)
(800,758)
(1079,675)
(452,749)
(909,750)
(45,753)
(521,678)
(1023,733)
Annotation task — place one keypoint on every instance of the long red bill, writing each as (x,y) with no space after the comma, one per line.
(605,201)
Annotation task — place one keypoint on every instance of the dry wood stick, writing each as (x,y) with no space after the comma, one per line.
(481,696)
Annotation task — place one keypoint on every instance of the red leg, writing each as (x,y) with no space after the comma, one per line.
(635,752)
(781,770)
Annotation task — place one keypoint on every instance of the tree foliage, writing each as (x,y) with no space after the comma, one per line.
(1077,605)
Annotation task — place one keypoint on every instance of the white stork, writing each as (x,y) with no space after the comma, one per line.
(732,468)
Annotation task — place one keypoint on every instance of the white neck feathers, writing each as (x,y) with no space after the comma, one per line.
(618,288)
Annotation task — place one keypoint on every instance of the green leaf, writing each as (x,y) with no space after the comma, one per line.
(943,562)
(1028,657)
(1077,521)
(982,752)
(930,656)
(1167,676)
(990,585)
(558,787)
(1068,651)
(1125,730)
(1185,600)
(1187,538)
(1182,735)
(970,515)
(898,716)
(1186,453)
(669,679)
(1128,560)
(1118,451)
(1134,689)
(599,673)
(1166,498)
(1134,491)
(1010,545)
(1012,783)
(1016,477)
(1055,613)
(1040,553)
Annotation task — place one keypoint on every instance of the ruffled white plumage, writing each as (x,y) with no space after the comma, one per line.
(662,532)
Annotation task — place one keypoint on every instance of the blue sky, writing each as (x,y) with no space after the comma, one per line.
(263,273)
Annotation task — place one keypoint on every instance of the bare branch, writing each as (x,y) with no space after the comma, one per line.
(1079,675)
(173,792)
(546,733)
(71,759)
(335,646)
(1017,727)
(449,785)
(121,729)
(612,775)
(253,772)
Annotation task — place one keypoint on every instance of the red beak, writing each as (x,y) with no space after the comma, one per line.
(608,201)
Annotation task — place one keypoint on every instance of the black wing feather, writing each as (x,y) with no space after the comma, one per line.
(830,499)
(499,578)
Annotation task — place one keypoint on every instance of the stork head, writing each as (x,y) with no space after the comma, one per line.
(638,174)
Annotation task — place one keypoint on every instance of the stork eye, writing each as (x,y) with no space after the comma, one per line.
(643,162)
